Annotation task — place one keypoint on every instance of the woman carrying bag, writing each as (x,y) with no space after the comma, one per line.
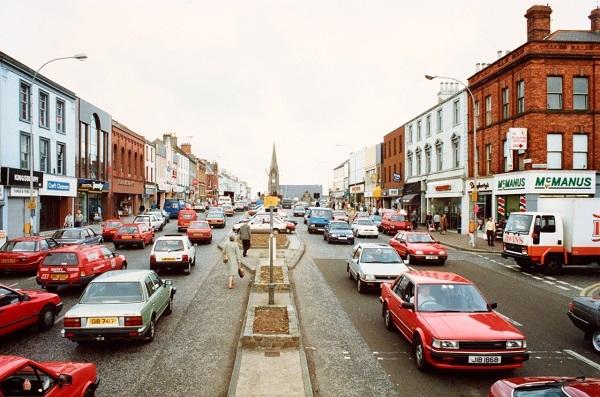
(232,258)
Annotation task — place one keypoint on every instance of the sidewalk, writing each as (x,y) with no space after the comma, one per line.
(461,242)
(96,227)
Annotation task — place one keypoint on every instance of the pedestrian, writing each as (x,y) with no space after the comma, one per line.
(443,224)
(414,219)
(428,219)
(245,236)
(231,258)
(78,218)
(490,231)
(472,231)
(436,221)
(142,208)
(68,220)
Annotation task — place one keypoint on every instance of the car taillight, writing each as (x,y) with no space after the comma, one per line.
(72,322)
(571,307)
(185,258)
(133,321)
(152,258)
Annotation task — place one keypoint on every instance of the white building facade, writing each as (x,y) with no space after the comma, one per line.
(356,176)
(150,187)
(373,160)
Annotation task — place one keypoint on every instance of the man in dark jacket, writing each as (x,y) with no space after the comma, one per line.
(245,236)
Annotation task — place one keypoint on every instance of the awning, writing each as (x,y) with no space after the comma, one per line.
(410,198)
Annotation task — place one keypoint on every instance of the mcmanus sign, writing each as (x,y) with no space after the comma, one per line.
(546,182)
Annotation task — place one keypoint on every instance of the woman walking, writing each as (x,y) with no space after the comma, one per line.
(231,258)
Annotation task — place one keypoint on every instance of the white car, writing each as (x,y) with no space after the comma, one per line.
(372,264)
(364,227)
(260,223)
(158,213)
(150,220)
(173,251)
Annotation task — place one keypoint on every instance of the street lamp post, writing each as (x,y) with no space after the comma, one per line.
(475,165)
(32,203)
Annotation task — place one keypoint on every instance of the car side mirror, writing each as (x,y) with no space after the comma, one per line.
(168,283)
(64,379)
(408,305)
(492,306)
(24,298)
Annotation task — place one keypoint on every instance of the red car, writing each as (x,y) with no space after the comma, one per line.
(22,377)
(23,309)
(75,265)
(133,234)
(199,231)
(110,228)
(24,254)
(449,323)
(419,247)
(546,386)
(392,222)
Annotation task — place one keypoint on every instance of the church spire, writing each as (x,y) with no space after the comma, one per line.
(274,159)
(273,174)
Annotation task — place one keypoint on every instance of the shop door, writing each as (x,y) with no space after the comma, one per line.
(49,213)
(16,216)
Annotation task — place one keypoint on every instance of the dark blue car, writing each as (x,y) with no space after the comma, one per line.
(338,232)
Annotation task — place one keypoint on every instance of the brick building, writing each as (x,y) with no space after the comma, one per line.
(536,114)
(391,172)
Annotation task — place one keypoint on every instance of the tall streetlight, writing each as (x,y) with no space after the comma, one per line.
(32,203)
(475,165)
(355,172)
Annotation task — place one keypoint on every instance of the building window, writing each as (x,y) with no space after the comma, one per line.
(455,152)
(440,120)
(427,159)
(394,146)
(520,96)
(477,114)
(122,160)
(554,91)
(60,158)
(410,135)
(24,96)
(43,109)
(554,151)
(505,108)
(409,164)
(488,159)
(488,110)
(24,147)
(60,116)
(580,151)
(418,161)
(580,93)
(505,154)
(44,155)
(456,112)
(419,131)
(93,150)
(439,155)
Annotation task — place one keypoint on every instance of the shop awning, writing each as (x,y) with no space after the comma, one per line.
(410,198)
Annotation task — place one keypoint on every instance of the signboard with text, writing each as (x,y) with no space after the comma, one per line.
(517,138)
(546,182)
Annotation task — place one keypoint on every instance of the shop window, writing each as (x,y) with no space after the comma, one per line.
(580,151)
(554,92)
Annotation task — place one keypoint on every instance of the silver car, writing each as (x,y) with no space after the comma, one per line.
(372,264)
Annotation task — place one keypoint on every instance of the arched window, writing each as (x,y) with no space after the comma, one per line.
(122,159)
(135,163)
(129,162)
(409,163)
(142,165)
(114,156)
(418,160)
(439,154)
(455,139)
(427,158)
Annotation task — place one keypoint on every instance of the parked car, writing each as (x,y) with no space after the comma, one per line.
(261,223)
(392,222)
(546,386)
(77,235)
(173,252)
(364,227)
(253,209)
(216,219)
(185,218)
(372,264)
(133,234)
(110,228)
(160,215)
(122,304)
(149,220)
(299,210)
(449,323)
(419,247)
(228,209)
(338,232)
(24,254)
(199,232)
(583,312)
(47,378)
(239,206)
(317,218)
(76,265)
(339,215)
(20,309)
(376,220)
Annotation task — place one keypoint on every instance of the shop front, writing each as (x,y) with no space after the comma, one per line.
(56,200)
(92,199)
(392,198)
(446,197)
(411,198)
(16,211)
(150,195)
(127,195)
(357,194)
(483,207)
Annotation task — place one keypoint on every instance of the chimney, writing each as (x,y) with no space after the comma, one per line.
(595,18)
(538,22)
(186,148)
(477,67)
(499,53)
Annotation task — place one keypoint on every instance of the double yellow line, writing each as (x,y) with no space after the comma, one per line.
(591,290)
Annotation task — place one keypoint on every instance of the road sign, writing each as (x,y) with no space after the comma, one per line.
(271,201)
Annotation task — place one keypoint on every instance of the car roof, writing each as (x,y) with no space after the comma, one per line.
(122,275)
(373,245)
(436,277)
(75,248)
(130,224)
(171,237)
(28,238)
(320,208)
(73,228)
(9,364)
(113,220)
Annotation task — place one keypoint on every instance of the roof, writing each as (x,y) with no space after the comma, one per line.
(75,248)
(374,245)
(435,277)
(122,275)
(585,36)
(9,364)
(28,238)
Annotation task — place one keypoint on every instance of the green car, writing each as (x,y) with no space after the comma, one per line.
(120,304)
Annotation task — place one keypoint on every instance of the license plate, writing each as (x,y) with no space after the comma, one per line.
(431,257)
(197,234)
(103,321)
(343,238)
(168,259)
(59,277)
(126,237)
(485,359)
(320,229)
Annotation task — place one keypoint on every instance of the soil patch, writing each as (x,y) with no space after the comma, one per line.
(270,320)
(262,240)
(277,274)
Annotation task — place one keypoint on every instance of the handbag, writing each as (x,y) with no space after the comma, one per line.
(241,272)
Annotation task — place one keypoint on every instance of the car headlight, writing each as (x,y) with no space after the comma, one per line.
(334,235)
(442,252)
(445,344)
(419,252)
(369,277)
(516,344)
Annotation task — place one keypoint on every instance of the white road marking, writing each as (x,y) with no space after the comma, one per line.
(549,282)
(411,268)
(562,282)
(493,260)
(537,277)
(12,285)
(550,278)
(510,320)
(59,319)
(346,357)
(586,360)
(561,287)
(576,287)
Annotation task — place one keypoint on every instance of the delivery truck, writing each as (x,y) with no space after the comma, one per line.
(562,232)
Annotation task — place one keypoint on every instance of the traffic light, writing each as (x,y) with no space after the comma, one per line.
(316,195)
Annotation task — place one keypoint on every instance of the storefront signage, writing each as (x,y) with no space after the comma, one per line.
(562,182)
(480,187)
(517,138)
(396,177)
(447,188)
(443,188)
(22,192)
(544,182)
(19,177)
(124,182)
(59,186)
(55,185)
(392,192)
(537,166)
(511,183)
(92,185)
(357,189)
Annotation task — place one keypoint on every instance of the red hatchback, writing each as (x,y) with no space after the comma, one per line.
(24,254)
(449,323)
(392,222)
(133,234)
(419,247)
(546,386)
(199,231)
(23,309)
(22,377)
(110,228)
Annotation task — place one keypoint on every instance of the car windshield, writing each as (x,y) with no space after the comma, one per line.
(379,255)
(141,219)
(419,238)
(168,245)
(199,225)
(113,224)
(60,258)
(366,222)
(450,298)
(339,225)
(518,223)
(112,292)
(320,213)
(18,246)
(397,218)
(67,233)
(548,390)
(127,230)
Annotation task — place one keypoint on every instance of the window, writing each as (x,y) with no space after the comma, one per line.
(554,151)
(477,114)
(427,159)
(455,151)
(477,160)
(60,116)
(24,110)
(439,155)
(488,110)
(409,164)
(505,155)
(428,125)
(394,146)
(488,159)
(25,146)
(580,93)
(60,158)
(43,112)
(554,92)
(580,151)
(418,130)
(82,148)
(44,155)
(548,224)
(410,135)
(505,108)
(418,160)
(440,120)
(456,112)
(520,96)
(93,149)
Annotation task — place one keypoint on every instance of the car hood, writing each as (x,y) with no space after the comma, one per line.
(470,326)
(384,269)
(430,248)
(104,309)
(68,368)
(37,294)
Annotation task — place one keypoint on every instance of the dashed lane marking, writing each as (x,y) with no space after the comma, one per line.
(576,287)
(551,278)
(563,288)
(537,277)
(562,282)
(584,359)
(549,282)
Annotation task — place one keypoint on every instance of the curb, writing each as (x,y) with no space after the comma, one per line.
(477,250)
(590,290)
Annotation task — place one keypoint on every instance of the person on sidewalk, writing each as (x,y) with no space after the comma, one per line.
(245,236)
(472,231)
(443,224)
(436,221)
(68,220)
(490,231)
(231,258)
(78,218)
(414,218)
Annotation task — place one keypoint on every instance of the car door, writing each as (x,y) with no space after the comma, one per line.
(162,294)
(14,313)
(405,315)
(395,301)
(152,305)
(354,262)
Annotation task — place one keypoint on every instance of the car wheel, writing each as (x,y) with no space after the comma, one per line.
(117,246)
(169,308)
(359,285)
(275,232)
(46,319)
(349,272)
(51,288)
(188,270)
(419,354)
(324,237)
(210,240)
(552,266)
(387,319)
(151,330)
(124,266)
(442,263)
(101,240)
(89,392)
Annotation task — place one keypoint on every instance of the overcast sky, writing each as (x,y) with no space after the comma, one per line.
(240,75)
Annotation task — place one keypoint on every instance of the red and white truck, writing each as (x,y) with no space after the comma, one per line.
(563,232)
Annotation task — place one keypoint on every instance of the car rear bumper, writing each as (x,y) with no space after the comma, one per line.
(168,265)
(423,258)
(580,323)
(316,227)
(128,242)
(460,360)
(367,232)
(17,267)
(108,236)
(100,334)
(200,238)
(83,280)
(348,239)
